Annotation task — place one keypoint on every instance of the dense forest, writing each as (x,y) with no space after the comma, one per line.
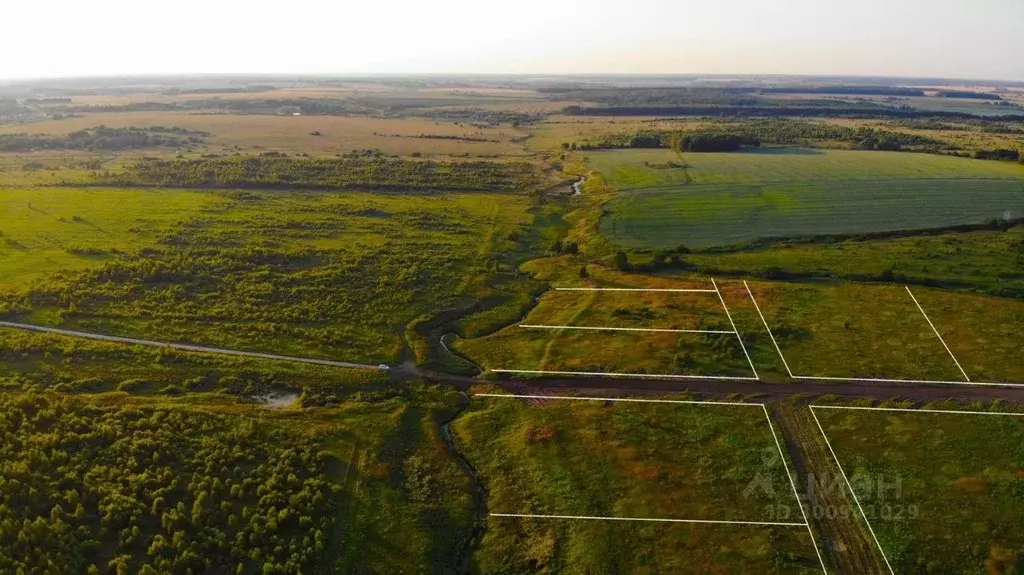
(968,94)
(631,97)
(349,172)
(855,90)
(87,489)
(104,138)
(855,110)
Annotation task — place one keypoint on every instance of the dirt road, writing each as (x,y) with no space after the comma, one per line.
(183,346)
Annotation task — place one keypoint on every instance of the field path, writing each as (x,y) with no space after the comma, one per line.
(185,346)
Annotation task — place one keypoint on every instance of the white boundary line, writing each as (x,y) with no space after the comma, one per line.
(637,375)
(625,328)
(937,333)
(873,379)
(591,517)
(924,381)
(792,483)
(736,331)
(627,399)
(908,410)
(770,334)
(854,493)
(771,427)
(636,289)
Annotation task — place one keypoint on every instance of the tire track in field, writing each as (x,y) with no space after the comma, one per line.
(588,301)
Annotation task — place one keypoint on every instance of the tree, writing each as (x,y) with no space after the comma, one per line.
(621,261)
(583,272)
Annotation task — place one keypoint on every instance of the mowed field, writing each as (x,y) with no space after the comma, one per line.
(294,134)
(631,460)
(944,492)
(705,200)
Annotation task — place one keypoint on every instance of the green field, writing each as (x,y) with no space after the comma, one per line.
(329,274)
(595,458)
(610,351)
(45,230)
(943,492)
(726,199)
(876,331)
(984,261)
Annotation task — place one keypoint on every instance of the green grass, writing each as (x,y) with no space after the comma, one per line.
(520,348)
(45,361)
(856,330)
(726,199)
(954,493)
(626,169)
(325,274)
(986,261)
(45,230)
(631,460)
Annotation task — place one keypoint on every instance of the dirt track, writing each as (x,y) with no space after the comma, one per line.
(768,390)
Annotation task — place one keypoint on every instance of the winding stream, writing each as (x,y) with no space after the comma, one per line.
(578,187)
(479,493)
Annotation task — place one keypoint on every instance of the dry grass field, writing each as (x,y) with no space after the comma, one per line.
(294,134)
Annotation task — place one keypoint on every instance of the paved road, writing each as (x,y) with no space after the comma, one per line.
(185,346)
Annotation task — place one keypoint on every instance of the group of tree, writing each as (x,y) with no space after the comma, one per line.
(728,136)
(1002,154)
(87,489)
(103,138)
(856,90)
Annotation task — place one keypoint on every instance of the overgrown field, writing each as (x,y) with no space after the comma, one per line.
(943,492)
(116,484)
(36,361)
(705,200)
(355,171)
(561,348)
(596,458)
(326,274)
(858,330)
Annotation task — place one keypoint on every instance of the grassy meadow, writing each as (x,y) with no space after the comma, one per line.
(325,274)
(872,330)
(982,261)
(851,330)
(707,200)
(46,230)
(595,458)
(943,492)
(611,351)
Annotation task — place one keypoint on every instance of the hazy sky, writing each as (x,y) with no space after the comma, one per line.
(950,38)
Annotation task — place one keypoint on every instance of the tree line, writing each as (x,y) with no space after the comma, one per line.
(104,138)
(852,110)
(732,136)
